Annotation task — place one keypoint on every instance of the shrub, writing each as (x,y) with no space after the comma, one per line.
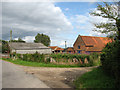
(41,57)
(36,57)
(48,60)
(18,56)
(24,57)
(14,54)
(110,60)
(92,59)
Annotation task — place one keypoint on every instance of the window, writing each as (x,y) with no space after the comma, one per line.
(87,52)
(78,51)
(69,51)
(79,47)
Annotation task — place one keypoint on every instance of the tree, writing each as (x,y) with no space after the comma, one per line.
(5,47)
(19,40)
(42,38)
(110,57)
(109,11)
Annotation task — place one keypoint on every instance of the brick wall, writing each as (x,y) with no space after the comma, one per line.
(79,42)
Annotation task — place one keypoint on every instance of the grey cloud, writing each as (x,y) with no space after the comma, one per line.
(28,19)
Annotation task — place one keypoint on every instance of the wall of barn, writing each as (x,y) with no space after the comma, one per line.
(41,51)
(79,42)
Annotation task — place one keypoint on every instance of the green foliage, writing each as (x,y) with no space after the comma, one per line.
(36,64)
(48,60)
(110,60)
(110,12)
(94,79)
(18,56)
(5,47)
(93,59)
(19,40)
(59,58)
(36,57)
(42,38)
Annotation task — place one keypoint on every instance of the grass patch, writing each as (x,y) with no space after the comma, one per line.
(36,64)
(94,79)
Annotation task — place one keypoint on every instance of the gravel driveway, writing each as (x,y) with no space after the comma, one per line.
(57,77)
(17,76)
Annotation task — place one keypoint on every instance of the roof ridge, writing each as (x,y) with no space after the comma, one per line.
(53,46)
(94,36)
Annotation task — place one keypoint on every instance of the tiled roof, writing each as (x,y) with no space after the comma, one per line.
(95,43)
(59,48)
(53,47)
(56,48)
(70,49)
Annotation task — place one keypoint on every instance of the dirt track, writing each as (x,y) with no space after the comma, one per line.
(57,77)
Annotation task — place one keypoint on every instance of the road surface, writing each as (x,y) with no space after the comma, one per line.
(14,77)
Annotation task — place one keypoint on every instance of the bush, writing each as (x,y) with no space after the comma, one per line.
(110,59)
(36,57)
(93,59)
(18,56)
(48,60)
(25,58)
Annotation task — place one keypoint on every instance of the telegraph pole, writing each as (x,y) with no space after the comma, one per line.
(10,40)
(10,35)
(65,45)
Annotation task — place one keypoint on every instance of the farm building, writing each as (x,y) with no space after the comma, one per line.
(24,48)
(56,49)
(88,44)
(69,50)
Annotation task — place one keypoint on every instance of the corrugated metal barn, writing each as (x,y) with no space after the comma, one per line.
(30,48)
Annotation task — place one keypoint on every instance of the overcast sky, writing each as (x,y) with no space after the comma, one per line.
(62,21)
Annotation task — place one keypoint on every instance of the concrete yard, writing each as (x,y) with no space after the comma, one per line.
(13,76)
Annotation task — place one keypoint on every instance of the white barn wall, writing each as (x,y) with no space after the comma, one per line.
(41,51)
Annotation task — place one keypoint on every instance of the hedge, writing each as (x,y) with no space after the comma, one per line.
(110,59)
(93,59)
(36,57)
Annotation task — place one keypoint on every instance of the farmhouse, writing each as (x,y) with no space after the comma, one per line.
(88,44)
(56,49)
(24,48)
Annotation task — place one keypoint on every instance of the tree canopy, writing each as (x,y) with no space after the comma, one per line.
(109,11)
(4,46)
(19,40)
(42,38)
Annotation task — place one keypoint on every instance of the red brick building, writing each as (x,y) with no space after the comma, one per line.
(88,44)
(69,50)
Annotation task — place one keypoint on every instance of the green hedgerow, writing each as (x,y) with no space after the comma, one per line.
(110,59)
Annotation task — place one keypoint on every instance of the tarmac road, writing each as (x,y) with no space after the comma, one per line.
(14,77)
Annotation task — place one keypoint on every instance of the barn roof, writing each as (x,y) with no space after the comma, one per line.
(56,48)
(95,43)
(27,46)
(53,47)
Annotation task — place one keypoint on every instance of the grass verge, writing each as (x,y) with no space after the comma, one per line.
(36,64)
(94,79)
